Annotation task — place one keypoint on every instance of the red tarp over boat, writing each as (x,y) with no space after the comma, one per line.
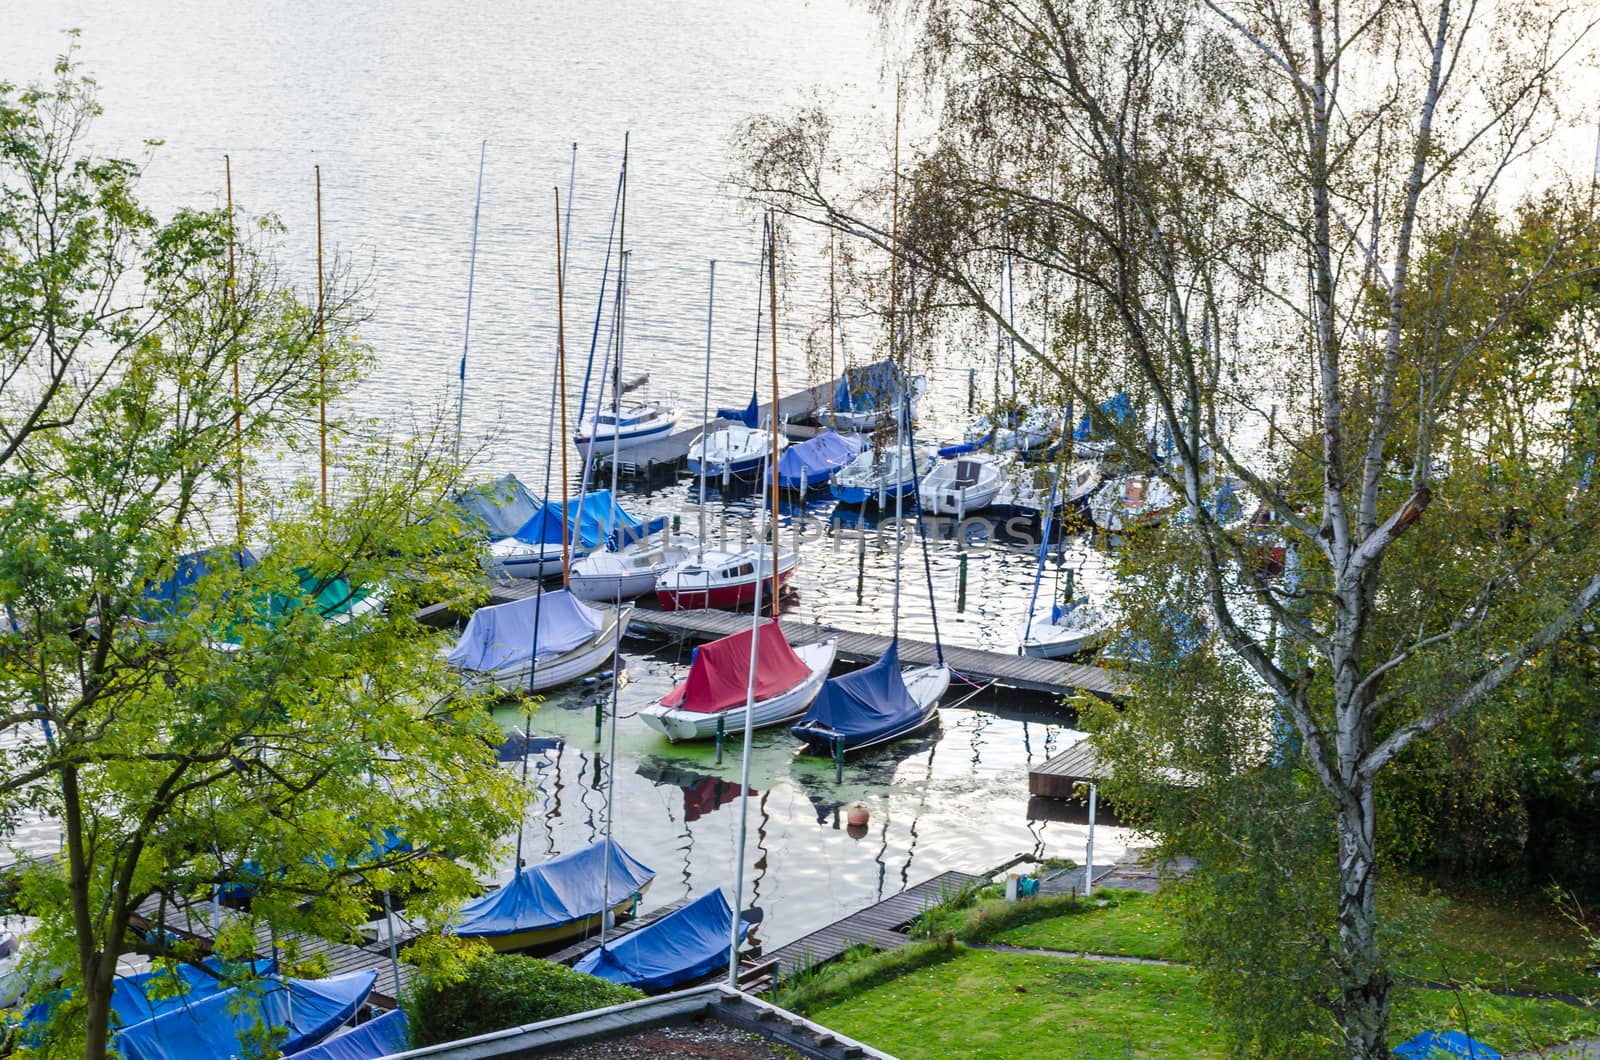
(719,676)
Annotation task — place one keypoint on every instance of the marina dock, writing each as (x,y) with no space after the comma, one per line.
(1062,776)
(877,925)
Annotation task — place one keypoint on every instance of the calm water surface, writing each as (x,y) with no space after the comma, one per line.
(392,100)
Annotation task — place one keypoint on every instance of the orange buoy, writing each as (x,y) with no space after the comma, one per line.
(856,815)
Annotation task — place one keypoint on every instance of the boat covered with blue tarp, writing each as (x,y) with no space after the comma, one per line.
(1117,410)
(148,995)
(685,945)
(872,705)
(384,1036)
(1444,1045)
(173,595)
(591,521)
(556,899)
(299,1013)
(808,464)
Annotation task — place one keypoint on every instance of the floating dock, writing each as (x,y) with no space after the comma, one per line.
(1063,776)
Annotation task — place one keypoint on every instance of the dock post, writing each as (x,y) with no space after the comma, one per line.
(599,716)
(961,584)
(722,724)
(972,387)
(1088,853)
(838,759)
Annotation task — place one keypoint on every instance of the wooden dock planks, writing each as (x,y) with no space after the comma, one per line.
(877,925)
(1062,776)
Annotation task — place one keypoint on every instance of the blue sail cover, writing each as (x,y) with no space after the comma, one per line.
(168,597)
(559,891)
(750,415)
(681,947)
(136,998)
(865,705)
(499,507)
(1119,410)
(502,635)
(591,519)
(809,463)
(387,1034)
(865,389)
(1439,1045)
(305,1011)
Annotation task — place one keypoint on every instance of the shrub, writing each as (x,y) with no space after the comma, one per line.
(503,990)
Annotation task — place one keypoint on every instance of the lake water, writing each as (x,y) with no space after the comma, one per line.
(392,101)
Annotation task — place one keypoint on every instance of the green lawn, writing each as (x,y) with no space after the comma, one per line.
(1507,1023)
(1499,943)
(1134,924)
(981,1005)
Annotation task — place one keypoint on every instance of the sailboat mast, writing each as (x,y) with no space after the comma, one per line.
(561,387)
(772,287)
(322,349)
(705,410)
(744,763)
(894,229)
(833,305)
(238,403)
(616,614)
(466,337)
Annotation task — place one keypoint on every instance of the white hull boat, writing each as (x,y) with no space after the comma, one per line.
(631,571)
(1131,502)
(511,558)
(714,578)
(867,419)
(961,486)
(732,450)
(495,648)
(678,724)
(1078,627)
(634,426)
(879,476)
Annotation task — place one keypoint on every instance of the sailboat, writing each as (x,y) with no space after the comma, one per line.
(965,483)
(537,547)
(631,426)
(1076,625)
(877,476)
(1132,502)
(806,465)
(879,702)
(787,679)
(866,397)
(573,638)
(563,898)
(685,945)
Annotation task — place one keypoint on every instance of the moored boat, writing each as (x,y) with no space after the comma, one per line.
(632,425)
(1132,502)
(631,570)
(809,464)
(962,485)
(715,578)
(555,900)
(718,685)
(685,945)
(733,449)
(571,638)
(879,476)
(873,705)
(1075,627)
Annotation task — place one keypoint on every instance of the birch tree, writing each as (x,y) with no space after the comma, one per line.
(1241,205)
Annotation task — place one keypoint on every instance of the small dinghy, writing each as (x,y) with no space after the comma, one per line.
(632,426)
(872,706)
(717,688)
(728,580)
(731,450)
(809,464)
(555,900)
(683,946)
(1075,627)
(960,486)
(572,638)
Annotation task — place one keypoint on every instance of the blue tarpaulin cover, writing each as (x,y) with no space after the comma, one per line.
(591,519)
(499,506)
(1440,1045)
(1118,410)
(681,947)
(306,1010)
(864,705)
(809,463)
(501,635)
(136,998)
(750,415)
(380,1037)
(559,891)
(872,386)
(167,597)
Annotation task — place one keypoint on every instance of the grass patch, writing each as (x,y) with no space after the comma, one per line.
(1499,942)
(1131,924)
(996,1006)
(857,970)
(1507,1023)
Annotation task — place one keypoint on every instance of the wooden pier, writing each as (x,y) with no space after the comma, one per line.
(1014,671)
(1062,776)
(877,925)
(197,921)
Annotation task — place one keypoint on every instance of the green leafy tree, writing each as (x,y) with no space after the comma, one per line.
(268,726)
(1264,220)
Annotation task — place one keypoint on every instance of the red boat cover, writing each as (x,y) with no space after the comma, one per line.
(719,676)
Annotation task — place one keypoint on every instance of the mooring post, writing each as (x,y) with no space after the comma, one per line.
(599,715)
(838,759)
(972,387)
(961,584)
(722,724)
